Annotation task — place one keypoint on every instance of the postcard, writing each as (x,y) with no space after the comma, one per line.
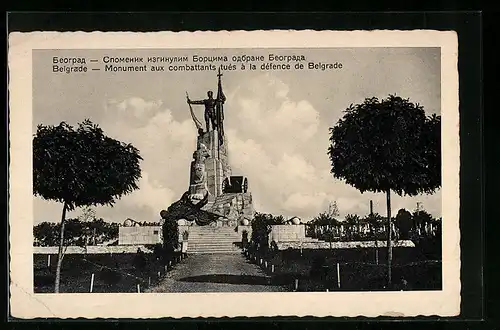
(234,173)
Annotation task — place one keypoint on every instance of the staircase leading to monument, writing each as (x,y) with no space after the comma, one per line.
(206,239)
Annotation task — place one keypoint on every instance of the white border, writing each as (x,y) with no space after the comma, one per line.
(25,304)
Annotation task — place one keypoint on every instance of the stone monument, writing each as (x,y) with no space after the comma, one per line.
(214,196)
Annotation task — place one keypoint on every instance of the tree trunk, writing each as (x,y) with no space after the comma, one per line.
(389,240)
(373,229)
(61,252)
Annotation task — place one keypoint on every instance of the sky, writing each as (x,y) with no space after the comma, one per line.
(276,122)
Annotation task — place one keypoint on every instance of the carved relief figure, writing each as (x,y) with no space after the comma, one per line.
(197,186)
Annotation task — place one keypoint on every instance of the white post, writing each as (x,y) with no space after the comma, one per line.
(138,288)
(159,274)
(48,260)
(265,264)
(272,268)
(338,275)
(296,284)
(92,282)
(149,281)
(260,262)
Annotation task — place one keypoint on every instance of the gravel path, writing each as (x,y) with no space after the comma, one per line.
(215,273)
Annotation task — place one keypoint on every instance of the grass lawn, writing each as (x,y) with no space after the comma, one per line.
(317,269)
(112,272)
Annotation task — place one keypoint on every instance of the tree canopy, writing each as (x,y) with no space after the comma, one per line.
(421,218)
(82,166)
(387,145)
(352,219)
(325,219)
(76,232)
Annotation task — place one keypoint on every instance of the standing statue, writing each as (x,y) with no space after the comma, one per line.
(214,111)
(210,104)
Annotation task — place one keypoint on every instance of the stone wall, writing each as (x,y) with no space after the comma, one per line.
(140,235)
(287,233)
(283,245)
(94,249)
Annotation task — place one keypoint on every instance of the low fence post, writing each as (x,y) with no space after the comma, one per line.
(92,283)
(296,284)
(338,275)
(48,260)
(138,288)
(272,268)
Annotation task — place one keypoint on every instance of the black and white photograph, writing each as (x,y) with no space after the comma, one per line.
(219,168)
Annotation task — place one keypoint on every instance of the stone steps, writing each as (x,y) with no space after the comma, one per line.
(213,240)
(211,235)
(191,235)
(216,252)
(214,231)
(212,243)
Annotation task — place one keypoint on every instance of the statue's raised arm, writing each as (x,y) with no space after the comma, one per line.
(209,110)
(196,102)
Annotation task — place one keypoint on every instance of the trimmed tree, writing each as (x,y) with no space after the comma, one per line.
(81,167)
(387,145)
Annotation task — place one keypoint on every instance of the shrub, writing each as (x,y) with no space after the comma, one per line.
(170,235)
(404,223)
(261,227)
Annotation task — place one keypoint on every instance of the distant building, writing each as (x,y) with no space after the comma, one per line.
(132,233)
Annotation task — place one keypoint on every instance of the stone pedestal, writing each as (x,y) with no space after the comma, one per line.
(233,207)
(216,165)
